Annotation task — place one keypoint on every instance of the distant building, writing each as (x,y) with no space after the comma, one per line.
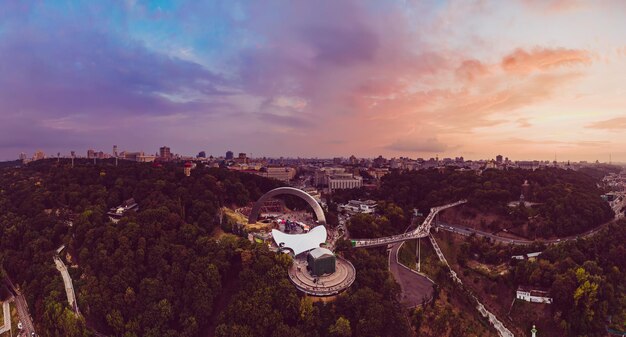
(491,164)
(187,169)
(321,261)
(279,173)
(499,159)
(39,155)
(91,154)
(116,213)
(165,153)
(23,156)
(139,157)
(201,154)
(344,181)
(380,161)
(115,151)
(533,295)
(229,155)
(358,206)
(321,175)
(242,158)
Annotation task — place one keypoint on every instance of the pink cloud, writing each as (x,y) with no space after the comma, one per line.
(470,70)
(541,59)
(614,124)
(554,6)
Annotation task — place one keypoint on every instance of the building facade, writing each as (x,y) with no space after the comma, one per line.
(533,295)
(165,153)
(344,181)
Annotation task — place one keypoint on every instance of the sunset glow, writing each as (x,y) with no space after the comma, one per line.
(526,79)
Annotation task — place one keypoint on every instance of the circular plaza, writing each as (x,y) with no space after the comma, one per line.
(323,285)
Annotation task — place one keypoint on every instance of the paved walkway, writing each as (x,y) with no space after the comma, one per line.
(69,287)
(6,325)
(421,231)
(328,285)
(416,288)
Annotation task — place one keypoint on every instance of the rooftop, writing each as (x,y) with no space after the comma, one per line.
(320,252)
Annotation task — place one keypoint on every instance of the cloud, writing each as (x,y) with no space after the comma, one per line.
(417,145)
(470,70)
(613,124)
(541,59)
(523,123)
(554,6)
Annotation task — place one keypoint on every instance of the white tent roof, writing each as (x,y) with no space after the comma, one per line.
(300,242)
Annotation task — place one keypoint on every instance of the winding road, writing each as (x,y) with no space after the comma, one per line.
(416,288)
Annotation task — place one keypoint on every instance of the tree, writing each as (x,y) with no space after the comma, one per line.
(341,328)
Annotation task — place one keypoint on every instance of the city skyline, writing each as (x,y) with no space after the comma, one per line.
(526,79)
(92,153)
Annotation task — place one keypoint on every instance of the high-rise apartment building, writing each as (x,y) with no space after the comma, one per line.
(164,153)
(229,155)
(91,154)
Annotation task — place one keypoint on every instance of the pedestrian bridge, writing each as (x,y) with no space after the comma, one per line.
(422,231)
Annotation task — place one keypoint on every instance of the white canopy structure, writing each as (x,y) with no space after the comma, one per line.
(300,243)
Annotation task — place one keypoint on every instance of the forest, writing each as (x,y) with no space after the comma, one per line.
(586,278)
(568,201)
(163,271)
(170,270)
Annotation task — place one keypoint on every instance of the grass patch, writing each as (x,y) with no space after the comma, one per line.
(240,218)
(406,254)
(430,264)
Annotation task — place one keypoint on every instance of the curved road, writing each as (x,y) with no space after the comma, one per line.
(415,288)
(466,231)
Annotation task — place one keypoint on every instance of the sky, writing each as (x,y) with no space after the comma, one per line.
(528,79)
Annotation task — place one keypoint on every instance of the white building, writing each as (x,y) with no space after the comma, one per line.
(344,181)
(526,256)
(279,173)
(323,174)
(357,206)
(533,295)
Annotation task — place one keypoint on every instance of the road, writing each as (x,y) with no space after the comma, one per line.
(22,308)
(415,287)
(467,231)
(69,287)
